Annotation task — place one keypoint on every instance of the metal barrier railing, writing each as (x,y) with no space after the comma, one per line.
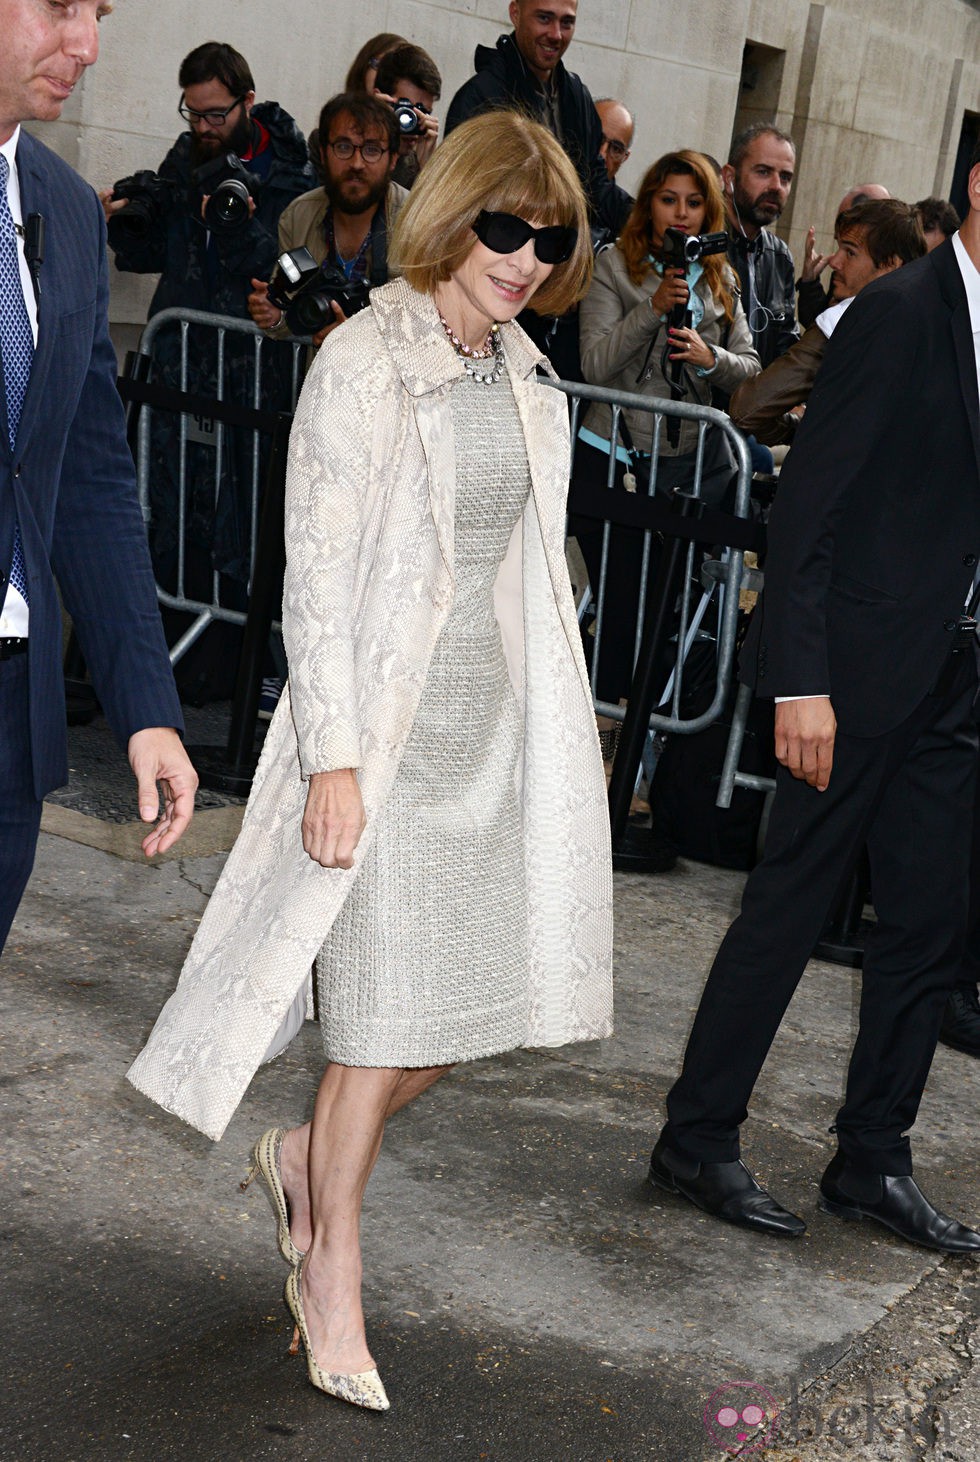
(710,527)
(206,421)
(666,610)
(682,519)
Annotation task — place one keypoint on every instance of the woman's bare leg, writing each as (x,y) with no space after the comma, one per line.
(352,1106)
(294,1159)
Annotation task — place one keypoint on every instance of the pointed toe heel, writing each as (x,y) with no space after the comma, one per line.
(266,1164)
(361,1388)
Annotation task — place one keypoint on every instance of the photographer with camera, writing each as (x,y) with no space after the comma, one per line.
(342,228)
(207,222)
(408,79)
(207,219)
(662,318)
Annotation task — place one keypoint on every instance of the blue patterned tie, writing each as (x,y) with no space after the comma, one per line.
(17,346)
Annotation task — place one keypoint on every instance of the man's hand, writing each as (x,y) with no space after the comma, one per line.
(111,205)
(339,318)
(813,263)
(428,136)
(265,315)
(157,755)
(334,818)
(805,732)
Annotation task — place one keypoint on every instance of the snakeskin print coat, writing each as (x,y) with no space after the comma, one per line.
(369,582)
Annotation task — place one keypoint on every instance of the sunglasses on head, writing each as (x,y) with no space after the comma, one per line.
(505,233)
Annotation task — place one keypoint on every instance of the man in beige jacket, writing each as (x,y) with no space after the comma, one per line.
(347,222)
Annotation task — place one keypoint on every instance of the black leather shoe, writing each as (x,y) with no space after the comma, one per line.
(961,1021)
(897,1203)
(724,1189)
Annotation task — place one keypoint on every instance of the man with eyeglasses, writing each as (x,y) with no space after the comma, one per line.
(346,223)
(206,268)
(617,132)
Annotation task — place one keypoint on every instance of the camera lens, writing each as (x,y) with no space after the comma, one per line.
(227,207)
(407,118)
(308,313)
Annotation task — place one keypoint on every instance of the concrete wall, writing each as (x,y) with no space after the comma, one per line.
(873,89)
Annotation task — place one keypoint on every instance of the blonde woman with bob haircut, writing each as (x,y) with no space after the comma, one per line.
(428,821)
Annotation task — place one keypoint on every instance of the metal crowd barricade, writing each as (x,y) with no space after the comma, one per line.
(205,421)
(669,607)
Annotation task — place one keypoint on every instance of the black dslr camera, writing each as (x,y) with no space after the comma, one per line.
(150,199)
(409,122)
(228,185)
(304,290)
(680,249)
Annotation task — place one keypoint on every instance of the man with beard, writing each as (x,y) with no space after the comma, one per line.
(347,222)
(755,183)
(209,269)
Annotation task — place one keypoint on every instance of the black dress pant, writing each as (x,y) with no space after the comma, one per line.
(909,795)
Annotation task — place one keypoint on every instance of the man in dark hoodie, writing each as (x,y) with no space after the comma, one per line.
(205,268)
(525,70)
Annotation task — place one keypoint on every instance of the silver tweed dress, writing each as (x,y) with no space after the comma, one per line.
(426,963)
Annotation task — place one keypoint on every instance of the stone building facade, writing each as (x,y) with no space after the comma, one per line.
(873,90)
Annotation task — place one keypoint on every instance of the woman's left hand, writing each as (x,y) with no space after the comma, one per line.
(688,347)
(334,818)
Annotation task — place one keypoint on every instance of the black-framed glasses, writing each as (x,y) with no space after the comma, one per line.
(505,233)
(214,116)
(613,145)
(371,151)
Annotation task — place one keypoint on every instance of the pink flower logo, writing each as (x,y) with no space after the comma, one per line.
(741,1417)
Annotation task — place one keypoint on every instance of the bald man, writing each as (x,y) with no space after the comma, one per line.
(617,133)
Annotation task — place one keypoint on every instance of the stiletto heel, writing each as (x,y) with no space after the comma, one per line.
(266,1155)
(362,1388)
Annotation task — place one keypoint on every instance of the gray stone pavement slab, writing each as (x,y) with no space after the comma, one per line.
(528,1299)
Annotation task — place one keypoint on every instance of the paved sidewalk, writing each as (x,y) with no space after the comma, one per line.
(527,1300)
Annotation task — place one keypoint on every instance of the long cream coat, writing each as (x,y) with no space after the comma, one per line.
(369,582)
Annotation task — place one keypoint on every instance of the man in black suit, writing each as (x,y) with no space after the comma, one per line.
(68,505)
(863,641)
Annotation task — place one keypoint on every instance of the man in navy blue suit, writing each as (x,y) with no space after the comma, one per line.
(68,505)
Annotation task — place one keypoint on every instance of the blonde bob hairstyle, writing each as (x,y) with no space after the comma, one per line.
(503,162)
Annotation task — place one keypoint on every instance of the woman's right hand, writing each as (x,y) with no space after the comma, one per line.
(334,818)
(672,290)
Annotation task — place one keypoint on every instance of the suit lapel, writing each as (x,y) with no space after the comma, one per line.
(33,196)
(954,293)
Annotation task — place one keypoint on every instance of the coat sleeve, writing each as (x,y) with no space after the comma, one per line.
(761,402)
(99,552)
(612,332)
(326,489)
(860,391)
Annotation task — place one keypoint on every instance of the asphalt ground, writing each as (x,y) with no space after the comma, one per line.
(528,1298)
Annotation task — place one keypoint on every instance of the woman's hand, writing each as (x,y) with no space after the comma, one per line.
(672,290)
(334,818)
(688,347)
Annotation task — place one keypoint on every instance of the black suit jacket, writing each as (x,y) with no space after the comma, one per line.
(875,533)
(70,479)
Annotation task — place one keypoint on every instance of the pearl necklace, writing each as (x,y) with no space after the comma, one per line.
(485,363)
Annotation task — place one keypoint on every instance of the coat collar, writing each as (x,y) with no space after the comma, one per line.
(951,287)
(425,360)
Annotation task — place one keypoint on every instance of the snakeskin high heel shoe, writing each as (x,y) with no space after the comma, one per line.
(266,1155)
(362,1388)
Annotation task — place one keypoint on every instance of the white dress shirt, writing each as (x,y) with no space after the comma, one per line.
(14,615)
